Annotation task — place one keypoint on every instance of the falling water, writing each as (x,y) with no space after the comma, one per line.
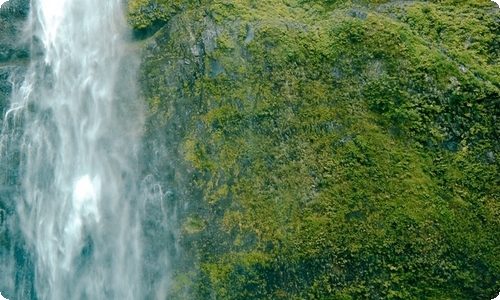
(75,126)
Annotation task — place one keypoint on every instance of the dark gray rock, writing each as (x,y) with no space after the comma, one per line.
(17,265)
(13,45)
(14,58)
(5,87)
(19,6)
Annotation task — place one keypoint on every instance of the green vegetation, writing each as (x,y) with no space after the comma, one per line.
(331,149)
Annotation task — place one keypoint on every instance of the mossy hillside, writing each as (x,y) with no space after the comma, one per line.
(334,150)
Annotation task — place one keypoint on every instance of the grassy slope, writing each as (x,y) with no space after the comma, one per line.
(334,149)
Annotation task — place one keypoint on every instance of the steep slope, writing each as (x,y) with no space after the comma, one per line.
(325,149)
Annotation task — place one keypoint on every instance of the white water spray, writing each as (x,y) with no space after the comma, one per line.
(79,141)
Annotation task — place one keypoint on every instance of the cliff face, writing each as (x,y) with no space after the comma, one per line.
(326,149)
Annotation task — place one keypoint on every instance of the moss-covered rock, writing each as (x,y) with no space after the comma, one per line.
(328,149)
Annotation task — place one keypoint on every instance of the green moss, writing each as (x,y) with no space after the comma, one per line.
(334,150)
(193,225)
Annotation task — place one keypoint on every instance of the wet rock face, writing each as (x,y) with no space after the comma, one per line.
(12,16)
(8,48)
(14,49)
(21,6)
(14,57)
(5,85)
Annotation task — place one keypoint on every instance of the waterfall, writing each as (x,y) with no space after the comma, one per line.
(73,129)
